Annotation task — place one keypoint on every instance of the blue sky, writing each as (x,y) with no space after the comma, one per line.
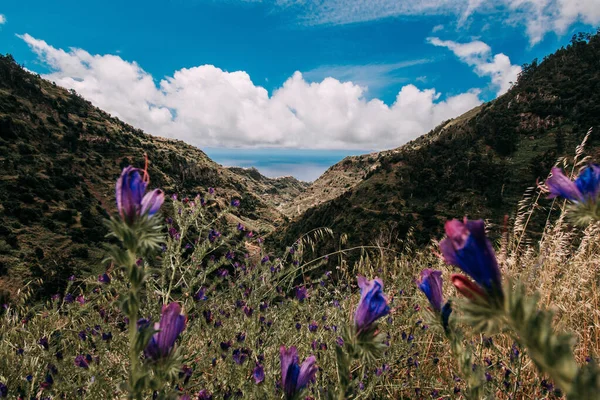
(321,75)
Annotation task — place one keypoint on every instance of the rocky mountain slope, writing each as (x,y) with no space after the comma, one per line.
(478,165)
(59,159)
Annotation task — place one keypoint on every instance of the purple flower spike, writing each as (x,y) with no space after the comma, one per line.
(585,188)
(81,362)
(258,373)
(295,377)
(373,304)
(301,293)
(129,191)
(104,278)
(468,248)
(131,201)
(431,285)
(152,201)
(171,324)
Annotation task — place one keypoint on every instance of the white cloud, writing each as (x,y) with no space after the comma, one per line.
(2,19)
(537,16)
(207,106)
(479,55)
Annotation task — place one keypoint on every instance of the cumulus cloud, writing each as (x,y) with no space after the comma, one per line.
(2,19)
(537,16)
(479,55)
(207,106)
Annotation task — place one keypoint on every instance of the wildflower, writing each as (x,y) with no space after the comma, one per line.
(3,390)
(200,294)
(48,381)
(586,186)
(44,343)
(373,304)
(239,356)
(81,362)
(204,395)
(466,287)
(171,324)
(295,377)
(235,203)
(301,293)
(431,285)
(69,298)
(225,345)
(81,299)
(468,248)
(131,200)
(104,278)
(107,336)
(258,373)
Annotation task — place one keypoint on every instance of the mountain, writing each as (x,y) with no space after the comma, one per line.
(478,165)
(60,157)
(277,191)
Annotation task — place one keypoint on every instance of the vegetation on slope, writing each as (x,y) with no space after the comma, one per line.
(59,156)
(479,164)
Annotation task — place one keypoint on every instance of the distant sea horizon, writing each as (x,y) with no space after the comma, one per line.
(303,164)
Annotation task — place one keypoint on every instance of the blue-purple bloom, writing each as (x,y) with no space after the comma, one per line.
(132,199)
(171,324)
(104,278)
(586,186)
(468,248)
(295,377)
(301,293)
(81,362)
(258,373)
(431,285)
(373,304)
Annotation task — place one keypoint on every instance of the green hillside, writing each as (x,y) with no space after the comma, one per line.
(479,164)
(59,158)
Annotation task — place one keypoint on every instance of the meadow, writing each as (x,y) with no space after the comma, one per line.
(226,305)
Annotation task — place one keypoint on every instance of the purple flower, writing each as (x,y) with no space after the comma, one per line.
(258,373)
(468,248)
(301,293)
(200,294)
(104,278)
(235,203)
(81,362)
(431,285)
(44,343)
(171,324)
(313,326)
(295,377)
(239,356)
(585,188)
(3,390)
(106,336)
(373,304)
(132,199)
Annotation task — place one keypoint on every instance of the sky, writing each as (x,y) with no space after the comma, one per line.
(288,86)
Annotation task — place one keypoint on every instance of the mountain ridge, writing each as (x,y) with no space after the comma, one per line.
(60,158)
(478,164)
